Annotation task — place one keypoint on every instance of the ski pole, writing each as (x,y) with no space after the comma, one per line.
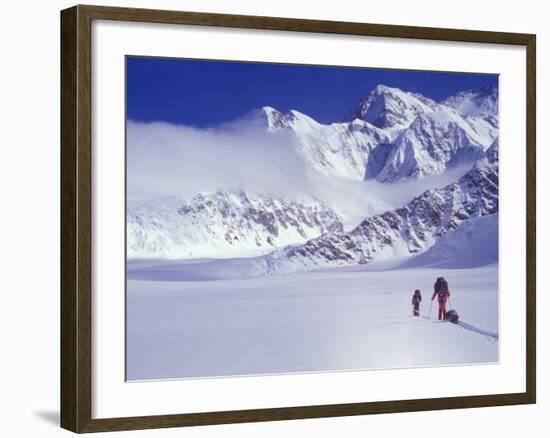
(430,314)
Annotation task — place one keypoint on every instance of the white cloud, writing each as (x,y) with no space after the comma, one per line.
(359,199)
(165,159)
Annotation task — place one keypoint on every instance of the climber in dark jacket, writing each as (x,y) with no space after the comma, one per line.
(416,299)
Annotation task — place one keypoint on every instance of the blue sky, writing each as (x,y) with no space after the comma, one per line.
(202,93)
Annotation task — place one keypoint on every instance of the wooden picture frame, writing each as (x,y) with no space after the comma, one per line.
(76,218)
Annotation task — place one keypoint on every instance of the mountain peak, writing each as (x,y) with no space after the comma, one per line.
(381,89)
(388,107)
(275,118)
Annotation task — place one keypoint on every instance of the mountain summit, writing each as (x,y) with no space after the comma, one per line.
(387,107)
(394,135)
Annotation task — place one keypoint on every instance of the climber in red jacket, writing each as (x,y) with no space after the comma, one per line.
(441,291)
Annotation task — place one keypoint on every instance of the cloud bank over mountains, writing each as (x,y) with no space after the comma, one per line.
(165,159)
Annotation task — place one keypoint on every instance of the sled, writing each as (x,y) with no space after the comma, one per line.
(452,316)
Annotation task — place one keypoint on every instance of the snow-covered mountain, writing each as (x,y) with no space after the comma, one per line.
(481,102)
(392,135)
(402,232)
(391,108)
(338,149)
(434,142)
(224,224)
(473,243)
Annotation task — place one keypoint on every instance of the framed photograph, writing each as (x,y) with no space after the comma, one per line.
(268,219)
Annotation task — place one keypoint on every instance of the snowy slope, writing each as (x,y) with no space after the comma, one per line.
(223,224)
(473,243)
(402,232)
(338,149)
(391,108)
(392,135)
(479,102)
(307,322)
(434,142)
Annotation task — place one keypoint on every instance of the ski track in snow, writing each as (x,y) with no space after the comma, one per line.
(473,328)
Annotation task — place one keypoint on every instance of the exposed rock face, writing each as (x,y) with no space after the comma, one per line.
(223,224)
(433,143)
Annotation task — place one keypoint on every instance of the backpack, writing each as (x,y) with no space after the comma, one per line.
(441,287)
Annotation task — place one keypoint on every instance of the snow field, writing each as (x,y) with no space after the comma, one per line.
(306,322)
